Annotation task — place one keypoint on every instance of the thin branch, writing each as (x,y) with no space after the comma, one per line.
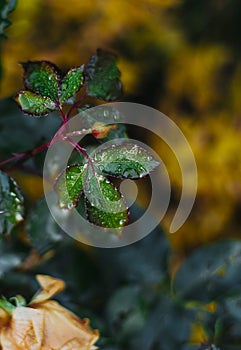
(26,155)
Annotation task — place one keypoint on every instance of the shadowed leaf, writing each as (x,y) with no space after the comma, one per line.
(11,204)
(210,272)
(42,231)
(103,77)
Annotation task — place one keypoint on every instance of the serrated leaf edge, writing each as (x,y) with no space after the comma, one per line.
(39,115)
(121,177)
(65,75)
(121,198)
(59,176)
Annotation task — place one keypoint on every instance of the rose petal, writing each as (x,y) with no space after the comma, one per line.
(25,330)
(62,327)
(50,287)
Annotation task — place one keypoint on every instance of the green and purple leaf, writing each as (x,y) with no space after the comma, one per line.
(103,77)
(126,161)
(69,185)
(11,203)
(71,84)
(35,104)
(41,77)
(104,203)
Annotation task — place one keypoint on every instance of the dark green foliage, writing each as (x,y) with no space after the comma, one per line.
(42,239)
(10,257)
(29,133)
(211,272)
(11,204)
(160,331)
(103,77)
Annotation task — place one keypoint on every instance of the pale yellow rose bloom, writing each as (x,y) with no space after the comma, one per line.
(45,324)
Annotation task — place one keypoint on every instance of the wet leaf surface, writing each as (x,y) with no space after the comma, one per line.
(103,76)
(11,203)
(34,104)
(69,185)
(125,161)
(41,77)
(71,83)
(104,203)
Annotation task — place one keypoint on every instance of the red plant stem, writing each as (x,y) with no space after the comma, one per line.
(78,148)
(63,115)
(61,137)
(75,105)
(16,156)
(83,151)
(27,154)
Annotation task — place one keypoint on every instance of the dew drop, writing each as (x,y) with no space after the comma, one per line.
(18,217)
(70,205)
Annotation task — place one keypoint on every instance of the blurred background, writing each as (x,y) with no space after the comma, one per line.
(181,57)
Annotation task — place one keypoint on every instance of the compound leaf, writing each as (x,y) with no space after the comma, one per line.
(35,104)
(103,76)
(125,161)
(11,203)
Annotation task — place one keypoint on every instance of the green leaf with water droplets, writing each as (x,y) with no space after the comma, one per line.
(11,203)
(105,205)
(103,76)
(42,78)
(69,185)
(125,161)
(71,83)
(35,104)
